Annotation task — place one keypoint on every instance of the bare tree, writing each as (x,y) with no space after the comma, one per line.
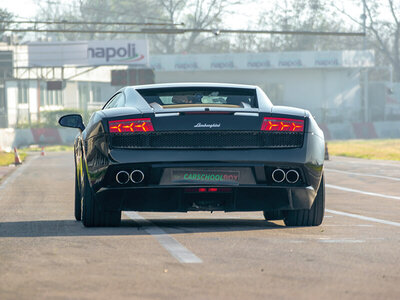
(4,17)
(303,15)
(94,11)
(197,14)
(383,30)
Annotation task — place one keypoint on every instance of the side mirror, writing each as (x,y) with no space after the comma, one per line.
(72,120)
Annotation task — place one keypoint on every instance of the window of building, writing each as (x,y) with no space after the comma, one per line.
(23,91)
(54,98)
(96,92)
(84,95)
(42,94)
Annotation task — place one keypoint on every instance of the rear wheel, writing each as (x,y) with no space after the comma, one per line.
(312,216)
(92,216)
(271,215)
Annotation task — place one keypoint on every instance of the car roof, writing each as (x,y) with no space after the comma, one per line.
(192,84)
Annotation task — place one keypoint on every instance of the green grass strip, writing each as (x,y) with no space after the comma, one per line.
(384,149)
(8,158)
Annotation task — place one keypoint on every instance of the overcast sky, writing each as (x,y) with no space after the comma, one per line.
(21,8)
(26,9)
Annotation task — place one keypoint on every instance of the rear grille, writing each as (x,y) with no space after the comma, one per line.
(208,140)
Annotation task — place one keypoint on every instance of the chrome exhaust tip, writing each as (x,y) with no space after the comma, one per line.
(137,176)
(292,176)
(122,177)
(278,175)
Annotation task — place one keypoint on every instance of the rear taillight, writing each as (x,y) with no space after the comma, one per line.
(130,125)
(283,124)
(209,190)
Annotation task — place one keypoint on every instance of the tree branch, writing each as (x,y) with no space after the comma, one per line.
(382,44)
(393,12)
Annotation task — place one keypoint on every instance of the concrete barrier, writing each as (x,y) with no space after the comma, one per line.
(371,130)
(7,136)
(340,131)
(387,129)
(10,138)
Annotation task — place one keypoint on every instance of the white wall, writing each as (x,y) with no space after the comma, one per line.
(33,100)
(71,95)
(12,101)
(336,90)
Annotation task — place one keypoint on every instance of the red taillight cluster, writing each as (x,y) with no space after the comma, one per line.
(130,125)
(282,124)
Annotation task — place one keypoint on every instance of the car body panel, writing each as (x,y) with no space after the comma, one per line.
(98,160)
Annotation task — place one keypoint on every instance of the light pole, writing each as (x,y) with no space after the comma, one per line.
(365,75)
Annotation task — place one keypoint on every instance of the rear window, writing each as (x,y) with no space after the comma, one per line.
(200,96)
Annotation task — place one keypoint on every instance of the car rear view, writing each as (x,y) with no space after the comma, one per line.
(191,147)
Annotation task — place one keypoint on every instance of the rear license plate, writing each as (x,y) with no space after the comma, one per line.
(199,176)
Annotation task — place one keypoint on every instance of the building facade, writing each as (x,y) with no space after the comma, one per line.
(328,83)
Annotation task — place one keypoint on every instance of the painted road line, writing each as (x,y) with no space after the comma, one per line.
(361,174)
(10,179)
(175,248)
(341,213)
(334,241)
(341,188)
(368,162)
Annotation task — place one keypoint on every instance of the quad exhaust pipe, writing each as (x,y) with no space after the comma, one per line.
(123,177)
(136,176)
(291,176)
(278,175)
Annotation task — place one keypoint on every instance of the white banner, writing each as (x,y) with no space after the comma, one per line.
(267,60)
(89,53)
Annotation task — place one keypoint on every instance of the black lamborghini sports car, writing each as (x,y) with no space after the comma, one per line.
(198,146)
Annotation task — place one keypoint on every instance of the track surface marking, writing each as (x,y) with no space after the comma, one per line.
(361,192)
(341,213)
(46,254)
(169,243)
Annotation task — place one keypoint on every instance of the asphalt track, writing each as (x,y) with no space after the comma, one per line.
(354,254)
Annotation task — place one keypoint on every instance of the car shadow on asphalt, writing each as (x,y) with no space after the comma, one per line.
(52,228)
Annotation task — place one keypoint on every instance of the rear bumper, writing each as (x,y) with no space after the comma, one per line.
(178,199)
(152,195)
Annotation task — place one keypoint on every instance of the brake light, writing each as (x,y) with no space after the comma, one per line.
(130,125)
(282,124)
(210,190)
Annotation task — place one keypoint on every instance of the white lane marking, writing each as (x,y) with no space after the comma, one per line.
(341,213)
(323,240)
(361,192)
(175,248)
(368,162)
(10,179)
(362,174)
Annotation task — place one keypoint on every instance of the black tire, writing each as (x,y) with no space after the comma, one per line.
(92,216)
(312,216)
(271,215)
(78,200)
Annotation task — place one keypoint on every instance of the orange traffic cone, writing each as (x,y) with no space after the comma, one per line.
(17,160)
(42,153)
